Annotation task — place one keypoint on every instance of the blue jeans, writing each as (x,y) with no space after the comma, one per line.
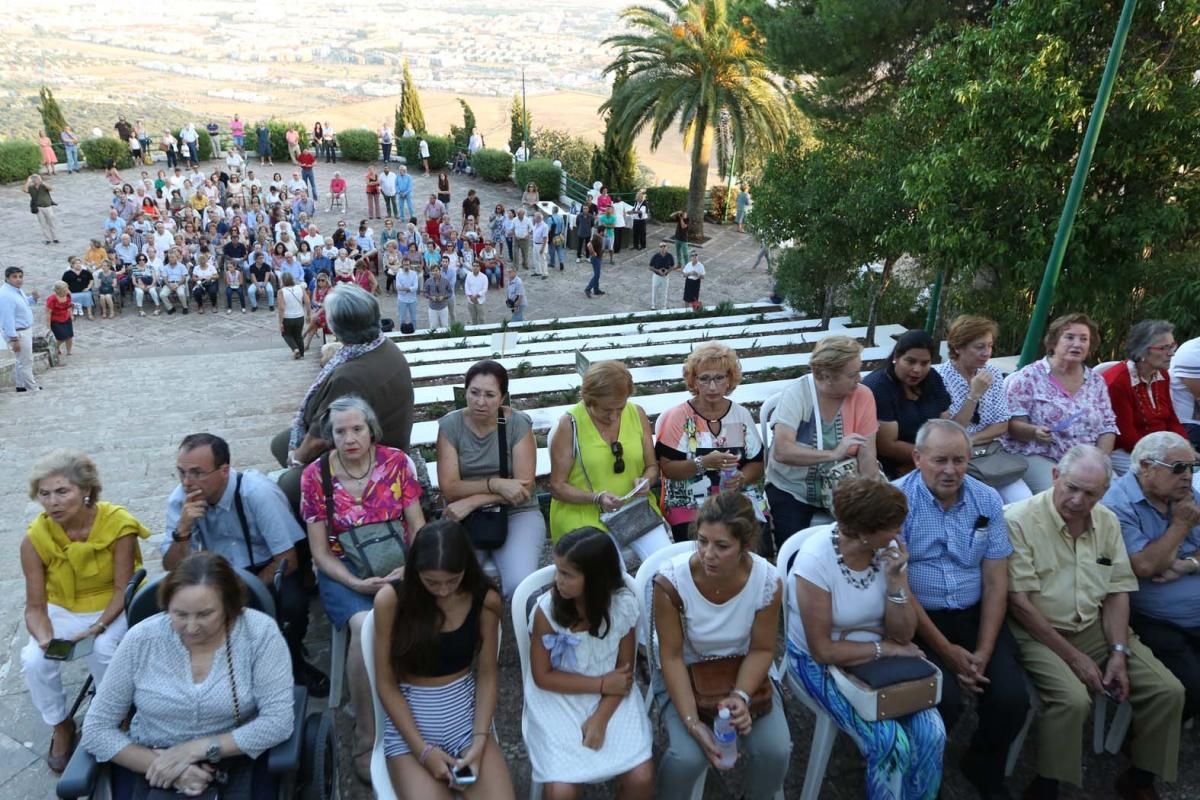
(404,201)
(518,314)
(311,180)
(681,251)
(406,311)
(558,255)
(594,284)
(241,296)
(193,152)
(72,157)
(255,289)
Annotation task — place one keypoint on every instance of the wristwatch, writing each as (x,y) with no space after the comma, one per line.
(176,536)
(1123,649)
(700,468)
(213,754)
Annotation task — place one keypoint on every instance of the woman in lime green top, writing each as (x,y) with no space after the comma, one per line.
(77,556)
(616,448)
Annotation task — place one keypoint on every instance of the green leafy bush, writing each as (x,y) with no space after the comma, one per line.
(492,165)
(18,160)
(279,129)
(359,144)
(574,152)
(204,145)
(663,201)
(98,152)
(544,174)
(441,150)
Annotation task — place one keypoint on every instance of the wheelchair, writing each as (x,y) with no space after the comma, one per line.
(304,764)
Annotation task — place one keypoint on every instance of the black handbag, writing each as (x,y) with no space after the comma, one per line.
(375,549)
(407,327)
(488,525)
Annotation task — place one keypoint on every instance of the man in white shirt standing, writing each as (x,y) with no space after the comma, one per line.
(16,324)
(475,288)
(1185,387)
(541,241)
(522,232)
(475,143)
(423,153)
(387,187)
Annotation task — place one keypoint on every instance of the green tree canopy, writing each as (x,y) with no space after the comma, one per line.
(52,117)
(574,152)
(688,64)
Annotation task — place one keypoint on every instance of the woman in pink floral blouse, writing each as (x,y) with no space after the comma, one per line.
(371,483)
(1057,403)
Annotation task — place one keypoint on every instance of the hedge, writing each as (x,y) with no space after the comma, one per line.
(204,145)
(441,150)
(359,144)
(18,160)
(543,173)
(495,166)
(663,201)
(279,129)
(98,152)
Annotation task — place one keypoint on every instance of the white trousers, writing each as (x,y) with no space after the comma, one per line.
(439,318)
(539,259)
(658,288)
(519,556)
(44,676)
(181,294)
(24,378)
(141,290)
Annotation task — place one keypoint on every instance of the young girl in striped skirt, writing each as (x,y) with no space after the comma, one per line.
(436,636)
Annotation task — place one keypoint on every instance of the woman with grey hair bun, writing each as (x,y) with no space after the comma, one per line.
(1140,389)
(368,365)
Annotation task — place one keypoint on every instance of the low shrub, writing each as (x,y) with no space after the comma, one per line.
(359,144)
(492,165)
(99,151)
(441,150)
(542,173)
(663,201)
(722,202)
(18,160)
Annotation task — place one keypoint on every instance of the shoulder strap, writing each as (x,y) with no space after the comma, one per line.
(241,513)
(812,390)
(502,441)
(578,454)
(670,591)
(327,487)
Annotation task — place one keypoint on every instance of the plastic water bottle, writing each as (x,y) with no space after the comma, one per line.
(726,736)
(726,476)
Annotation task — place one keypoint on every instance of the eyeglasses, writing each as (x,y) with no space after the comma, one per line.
(1164,348)
(618,458)
(712,380)
(1179,467)
(193,474)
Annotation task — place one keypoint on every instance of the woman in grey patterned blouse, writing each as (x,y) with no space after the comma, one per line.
(210,681)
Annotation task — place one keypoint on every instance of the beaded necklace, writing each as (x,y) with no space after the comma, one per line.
(851,578)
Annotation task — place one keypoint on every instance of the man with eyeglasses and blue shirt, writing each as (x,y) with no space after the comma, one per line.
(1159,511)
(244,517)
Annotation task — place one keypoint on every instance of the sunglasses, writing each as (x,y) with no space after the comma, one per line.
(618,458)
(1179,467)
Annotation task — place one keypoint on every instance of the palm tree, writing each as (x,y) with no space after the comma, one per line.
(692,63)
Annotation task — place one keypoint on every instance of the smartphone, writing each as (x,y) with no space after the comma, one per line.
(463,776)
(66,650)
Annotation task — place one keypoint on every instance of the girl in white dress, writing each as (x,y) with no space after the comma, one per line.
(582,724)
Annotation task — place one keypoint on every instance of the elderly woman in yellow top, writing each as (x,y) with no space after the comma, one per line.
(77,556)
(601,450)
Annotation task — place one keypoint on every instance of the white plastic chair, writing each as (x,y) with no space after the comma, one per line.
(528,590)
(825,731)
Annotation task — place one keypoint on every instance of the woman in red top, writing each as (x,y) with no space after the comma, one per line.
(372,194)
(1140,389)
(59,306)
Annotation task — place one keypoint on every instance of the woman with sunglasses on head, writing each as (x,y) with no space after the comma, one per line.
(1140,388)
(601,451)
(707,443)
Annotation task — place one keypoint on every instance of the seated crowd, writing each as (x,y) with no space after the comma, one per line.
(1035,539)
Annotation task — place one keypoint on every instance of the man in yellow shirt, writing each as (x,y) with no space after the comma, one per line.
(1069,584)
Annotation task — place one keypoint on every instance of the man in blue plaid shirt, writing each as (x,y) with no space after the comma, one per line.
(958,569)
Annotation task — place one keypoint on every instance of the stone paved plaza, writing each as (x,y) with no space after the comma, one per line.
(136,386)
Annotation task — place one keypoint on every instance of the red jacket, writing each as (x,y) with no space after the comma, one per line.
(1136,416)
(59,307)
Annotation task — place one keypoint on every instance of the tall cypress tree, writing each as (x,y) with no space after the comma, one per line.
(518,126)
(411,115)
(52,116)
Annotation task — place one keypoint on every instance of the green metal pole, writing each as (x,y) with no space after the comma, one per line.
(1045,298)
(525,119)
